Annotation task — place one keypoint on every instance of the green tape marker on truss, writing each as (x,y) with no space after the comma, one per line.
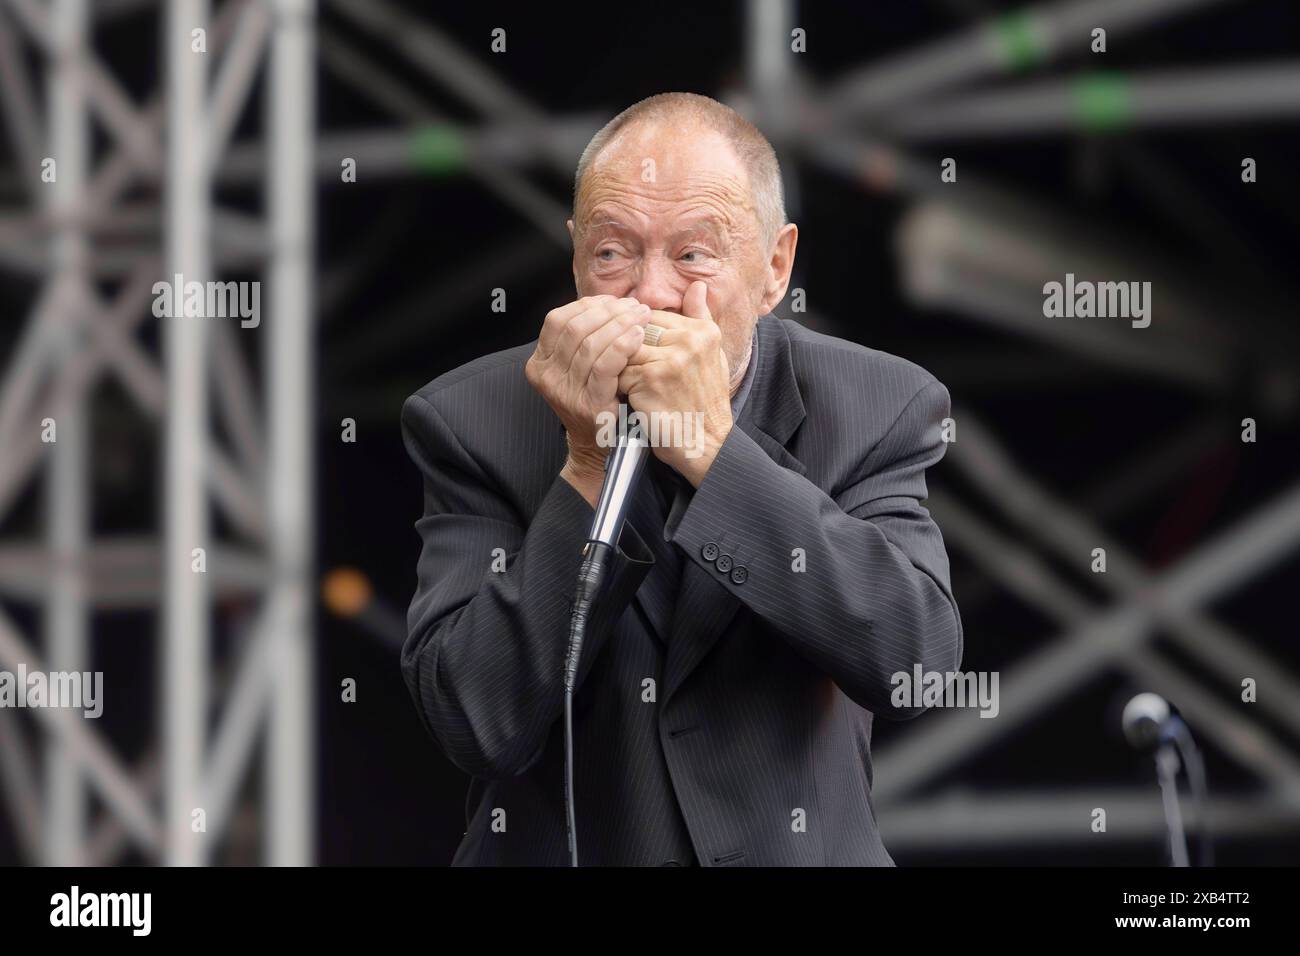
(438,150)
(1103,103)
(1017,40)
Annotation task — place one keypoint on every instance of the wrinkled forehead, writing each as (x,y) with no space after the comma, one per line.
(657,173)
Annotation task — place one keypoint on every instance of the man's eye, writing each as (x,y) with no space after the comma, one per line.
(697,254)
(606,255)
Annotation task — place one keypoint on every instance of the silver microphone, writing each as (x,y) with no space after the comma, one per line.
(622,469)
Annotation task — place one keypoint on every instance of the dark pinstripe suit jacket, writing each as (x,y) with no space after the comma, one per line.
(723,718)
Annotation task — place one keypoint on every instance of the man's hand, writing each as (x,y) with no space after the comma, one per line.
(582,349)
(686,372)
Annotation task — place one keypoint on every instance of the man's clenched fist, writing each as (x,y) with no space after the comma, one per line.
(582,349)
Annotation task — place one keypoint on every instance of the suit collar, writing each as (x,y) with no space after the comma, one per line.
(774,409)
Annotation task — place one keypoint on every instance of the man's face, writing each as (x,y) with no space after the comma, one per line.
(662,207)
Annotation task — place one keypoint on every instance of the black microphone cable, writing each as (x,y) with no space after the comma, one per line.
(591,574)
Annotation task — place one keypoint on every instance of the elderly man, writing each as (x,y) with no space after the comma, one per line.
(771,579)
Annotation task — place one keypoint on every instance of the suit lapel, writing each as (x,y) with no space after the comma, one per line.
(770,417)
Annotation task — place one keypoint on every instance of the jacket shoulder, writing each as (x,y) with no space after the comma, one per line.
(487,419)
(817,355)
(487,374)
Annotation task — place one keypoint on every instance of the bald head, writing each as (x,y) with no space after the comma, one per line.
(687,114)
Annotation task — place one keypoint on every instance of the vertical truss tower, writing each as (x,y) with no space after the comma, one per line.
(248,451)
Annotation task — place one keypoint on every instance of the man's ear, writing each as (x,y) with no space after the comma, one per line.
(574,261)
(779,268)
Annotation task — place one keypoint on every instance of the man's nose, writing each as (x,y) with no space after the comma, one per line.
(659,286)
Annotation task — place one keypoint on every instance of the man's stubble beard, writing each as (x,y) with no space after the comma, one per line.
(738,351)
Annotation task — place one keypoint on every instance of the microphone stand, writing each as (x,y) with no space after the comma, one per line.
(1167,764)
(1194,767)
(622,468)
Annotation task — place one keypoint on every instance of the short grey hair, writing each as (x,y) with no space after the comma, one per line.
(752,147)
